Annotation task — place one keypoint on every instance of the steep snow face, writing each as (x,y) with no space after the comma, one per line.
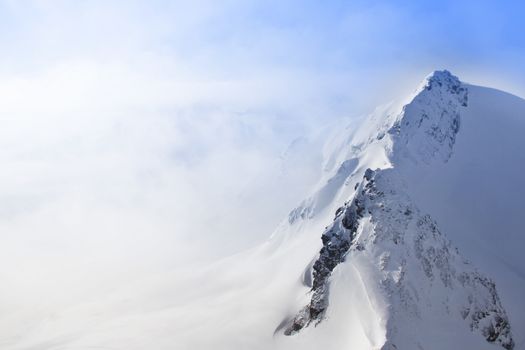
(477,197)
(424,280)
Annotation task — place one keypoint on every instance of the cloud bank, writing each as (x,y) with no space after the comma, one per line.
(138,137)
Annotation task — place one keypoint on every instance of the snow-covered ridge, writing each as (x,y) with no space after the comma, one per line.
(424,280)
(419,132)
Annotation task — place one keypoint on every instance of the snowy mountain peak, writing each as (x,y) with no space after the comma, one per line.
(420,133)
(427,126)
(440,78)
(419,276)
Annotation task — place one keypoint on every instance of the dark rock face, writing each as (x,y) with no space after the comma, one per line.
(490,317)
(445,79)
(337,240)
(419,253)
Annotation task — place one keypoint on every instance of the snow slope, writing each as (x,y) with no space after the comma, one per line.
(368,261)
(409,145)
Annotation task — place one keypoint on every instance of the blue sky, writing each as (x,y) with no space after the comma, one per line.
(127,113)
(352,41)
(343,57)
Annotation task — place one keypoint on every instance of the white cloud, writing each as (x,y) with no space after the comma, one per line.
(144,136)
(112,170)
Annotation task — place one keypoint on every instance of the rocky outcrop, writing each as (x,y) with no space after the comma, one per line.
(409,250)
(337,240)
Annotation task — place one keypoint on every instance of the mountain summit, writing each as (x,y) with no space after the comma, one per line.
(425,285)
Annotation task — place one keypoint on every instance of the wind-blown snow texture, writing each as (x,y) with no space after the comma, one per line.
(412,240)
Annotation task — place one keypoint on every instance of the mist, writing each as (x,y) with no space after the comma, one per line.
(139,139)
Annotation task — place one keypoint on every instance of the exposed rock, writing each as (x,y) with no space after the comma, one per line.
(412,249)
